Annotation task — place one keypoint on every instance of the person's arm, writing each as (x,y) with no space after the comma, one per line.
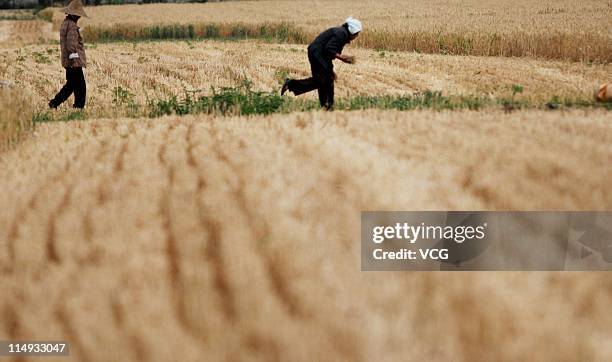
(334,45)
(72,42)
(346,58)
(334,48)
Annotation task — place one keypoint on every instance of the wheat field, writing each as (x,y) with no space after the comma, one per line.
(170,68)
(16,120)
(235,238)
(15,111)
(565,30)
(403,15)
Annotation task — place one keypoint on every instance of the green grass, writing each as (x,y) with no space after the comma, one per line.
(233,100)
(45,14)
(278,32)
(42,58)
(42,117)
(243,100)
(47,116)
(17,15)
(424,100)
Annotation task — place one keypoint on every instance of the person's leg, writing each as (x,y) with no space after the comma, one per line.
(65,92)
(322,90)
(80,88)
(330,95)
(326,93)
(301,86)
(323,73)
(326,87)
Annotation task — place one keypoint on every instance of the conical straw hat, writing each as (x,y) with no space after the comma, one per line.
(74,8)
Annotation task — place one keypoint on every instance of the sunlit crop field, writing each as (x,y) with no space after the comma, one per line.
(234,237)
(402,15)
(238,238)
(547,29)
(160,69)
(16,120)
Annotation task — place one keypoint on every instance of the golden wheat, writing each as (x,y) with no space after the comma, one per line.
(590,16)
(16,113)
(546,29)
(153,70)
(237,238)
(18,33)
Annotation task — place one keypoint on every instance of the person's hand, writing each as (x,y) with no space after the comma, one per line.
(346,58)
(350,59)
(73,56)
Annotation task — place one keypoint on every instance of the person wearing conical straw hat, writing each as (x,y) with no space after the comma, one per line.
(321,52)
(73,57)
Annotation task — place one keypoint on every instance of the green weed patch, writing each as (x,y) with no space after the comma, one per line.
(243,100)
(279,32)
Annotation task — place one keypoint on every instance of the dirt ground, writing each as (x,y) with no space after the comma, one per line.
(238,238)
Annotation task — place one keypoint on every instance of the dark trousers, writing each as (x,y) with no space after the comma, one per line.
(75,83)
(322,79)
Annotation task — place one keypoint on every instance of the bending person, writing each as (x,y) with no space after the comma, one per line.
(73,57)
(323,50)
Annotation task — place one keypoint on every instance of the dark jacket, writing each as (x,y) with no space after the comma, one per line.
(72,42)
(329,43)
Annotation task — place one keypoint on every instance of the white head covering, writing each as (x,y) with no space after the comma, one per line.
(354,25)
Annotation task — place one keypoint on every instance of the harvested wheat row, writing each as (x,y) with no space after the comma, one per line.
(121,76)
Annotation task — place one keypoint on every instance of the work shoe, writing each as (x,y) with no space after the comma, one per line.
(285,87)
